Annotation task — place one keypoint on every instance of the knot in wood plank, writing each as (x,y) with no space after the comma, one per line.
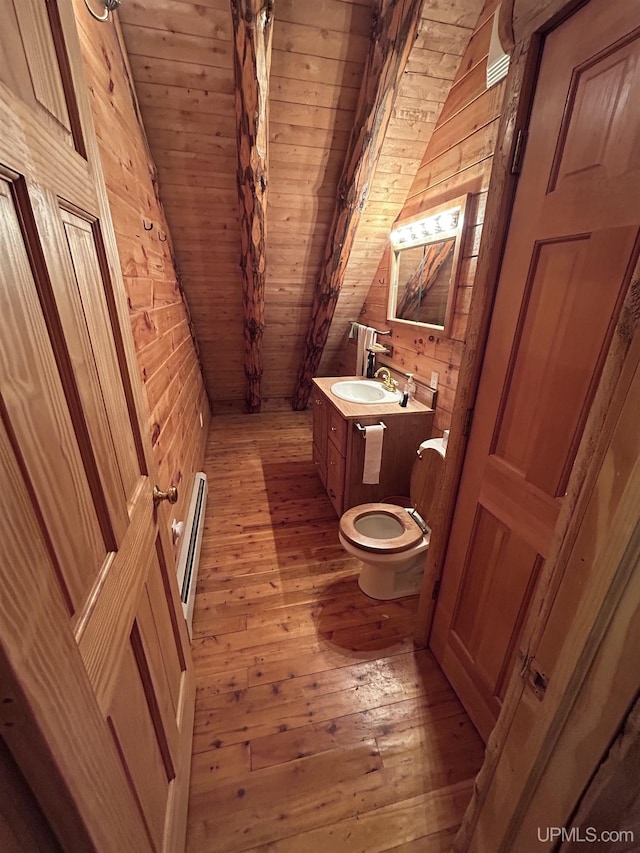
(254,331)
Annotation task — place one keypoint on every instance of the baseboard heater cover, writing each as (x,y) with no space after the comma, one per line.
(189,556)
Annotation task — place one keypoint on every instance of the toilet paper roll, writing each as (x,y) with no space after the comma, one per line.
(373,436)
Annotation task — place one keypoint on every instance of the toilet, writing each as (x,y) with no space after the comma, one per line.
(391,541)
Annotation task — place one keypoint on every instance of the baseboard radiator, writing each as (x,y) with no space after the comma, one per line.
(189,556)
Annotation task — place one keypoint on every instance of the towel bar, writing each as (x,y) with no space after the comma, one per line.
(377,331)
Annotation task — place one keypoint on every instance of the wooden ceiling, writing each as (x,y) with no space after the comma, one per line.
(181,56)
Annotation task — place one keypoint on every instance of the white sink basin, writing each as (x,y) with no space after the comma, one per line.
(364,391)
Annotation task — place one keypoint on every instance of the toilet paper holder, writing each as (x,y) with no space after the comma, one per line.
(364,429)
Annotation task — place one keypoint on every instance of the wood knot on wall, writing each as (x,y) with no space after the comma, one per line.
(254,329)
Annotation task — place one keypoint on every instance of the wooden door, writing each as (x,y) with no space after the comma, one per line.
(96,685)
(571,244)
(578,737)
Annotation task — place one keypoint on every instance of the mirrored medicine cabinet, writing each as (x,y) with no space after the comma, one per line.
(426,251)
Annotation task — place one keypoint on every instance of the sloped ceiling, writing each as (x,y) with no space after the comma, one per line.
(182,63)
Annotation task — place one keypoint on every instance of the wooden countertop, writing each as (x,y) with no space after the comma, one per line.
(361,410)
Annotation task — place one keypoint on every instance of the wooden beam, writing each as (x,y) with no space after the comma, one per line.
(252,35)
(395,25)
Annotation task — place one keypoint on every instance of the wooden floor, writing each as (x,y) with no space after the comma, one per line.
(318,727)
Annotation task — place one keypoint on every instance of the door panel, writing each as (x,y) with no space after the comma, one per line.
(557,353)
(98,571)
(610,147)
(166,631)
(488,597)
(103,631)
(34,401)
(42,60)
(155,627)
(14,71)
(135,734)
(85,249)
(572,240)
(73,335)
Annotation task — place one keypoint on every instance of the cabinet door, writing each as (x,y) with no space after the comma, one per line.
(335,477)
(97,689)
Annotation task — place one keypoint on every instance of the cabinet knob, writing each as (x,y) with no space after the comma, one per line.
(334,429)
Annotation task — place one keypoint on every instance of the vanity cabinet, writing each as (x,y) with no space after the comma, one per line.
(339,446)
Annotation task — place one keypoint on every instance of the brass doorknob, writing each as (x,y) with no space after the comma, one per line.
(170,495)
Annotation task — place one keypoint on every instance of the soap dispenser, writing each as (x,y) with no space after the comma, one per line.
(410,387)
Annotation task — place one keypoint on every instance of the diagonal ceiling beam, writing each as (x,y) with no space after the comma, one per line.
(252,35)
(394,30)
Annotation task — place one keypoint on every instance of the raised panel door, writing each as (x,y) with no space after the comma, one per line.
(94,658)
(571,246)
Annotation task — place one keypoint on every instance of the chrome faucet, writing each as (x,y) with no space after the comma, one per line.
(387,382)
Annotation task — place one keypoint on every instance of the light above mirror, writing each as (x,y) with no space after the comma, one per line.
(428,228)
(426,252)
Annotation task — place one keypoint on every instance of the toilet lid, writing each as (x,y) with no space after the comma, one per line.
(408,532)
(425,477)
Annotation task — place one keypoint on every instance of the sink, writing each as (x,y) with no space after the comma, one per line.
(364,391)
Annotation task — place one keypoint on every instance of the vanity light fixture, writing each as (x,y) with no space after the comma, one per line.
(435,227)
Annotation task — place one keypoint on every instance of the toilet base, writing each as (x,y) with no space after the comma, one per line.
(385,582)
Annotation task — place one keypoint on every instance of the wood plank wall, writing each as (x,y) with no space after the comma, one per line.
(181,57)
(457,161)
(319,50)
(165,348)
(443,37)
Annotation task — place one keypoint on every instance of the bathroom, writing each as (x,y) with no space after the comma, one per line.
(298,712)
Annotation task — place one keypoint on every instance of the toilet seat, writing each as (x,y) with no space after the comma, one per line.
(425,481)
(409,534)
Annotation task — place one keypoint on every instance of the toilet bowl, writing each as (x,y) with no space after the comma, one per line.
(391,541)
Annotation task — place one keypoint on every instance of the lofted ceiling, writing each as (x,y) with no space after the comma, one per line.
(181,55)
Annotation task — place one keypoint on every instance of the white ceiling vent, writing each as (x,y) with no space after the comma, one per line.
(498,60)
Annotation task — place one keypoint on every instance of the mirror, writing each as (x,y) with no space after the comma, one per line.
(426,252)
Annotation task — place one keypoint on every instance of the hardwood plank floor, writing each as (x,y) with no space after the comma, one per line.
(319,726)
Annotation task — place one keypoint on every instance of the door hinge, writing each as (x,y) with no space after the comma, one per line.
(468,418)
(533,675)
(518,152)
(436,590)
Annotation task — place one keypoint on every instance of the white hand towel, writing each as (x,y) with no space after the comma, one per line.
(366,338)
(372,453)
